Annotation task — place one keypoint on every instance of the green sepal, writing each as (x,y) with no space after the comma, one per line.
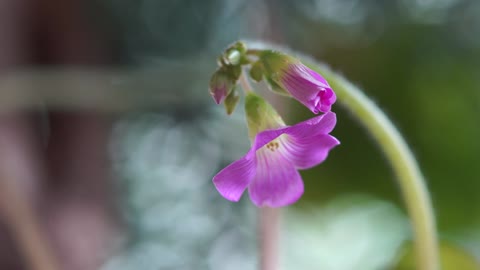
(234,72)
(256,71)
(260,115)
(276,88)
(231,101)
(244,60)
(275,65)
(275,62)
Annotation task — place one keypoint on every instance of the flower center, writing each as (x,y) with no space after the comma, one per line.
(273,145)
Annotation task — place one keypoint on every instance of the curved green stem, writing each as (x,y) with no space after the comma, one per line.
(411,180)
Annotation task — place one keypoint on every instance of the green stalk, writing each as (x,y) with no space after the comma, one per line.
(410,179)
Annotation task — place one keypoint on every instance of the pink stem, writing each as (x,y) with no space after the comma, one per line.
(268,238)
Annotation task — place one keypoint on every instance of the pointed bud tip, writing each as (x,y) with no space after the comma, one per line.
(218,92)
(219,96)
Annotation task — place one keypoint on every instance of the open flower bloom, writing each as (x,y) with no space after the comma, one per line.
(301,82)
(269,169)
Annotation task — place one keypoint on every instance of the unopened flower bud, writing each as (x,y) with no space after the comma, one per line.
(221,85)
(256,71)
(231,102)
(286,73)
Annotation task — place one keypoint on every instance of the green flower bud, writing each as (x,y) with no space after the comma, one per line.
(240,46)
(256,71)
(234,72)
(221,85)
(235,55)
(260,115)
(231,102)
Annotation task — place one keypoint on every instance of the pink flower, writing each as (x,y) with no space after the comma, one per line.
(270,169)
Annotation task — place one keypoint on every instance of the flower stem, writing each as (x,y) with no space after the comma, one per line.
(245,83)
(268,232)
(254,52)
(25,227)
(411,181)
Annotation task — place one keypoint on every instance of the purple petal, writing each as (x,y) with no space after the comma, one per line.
(300,83)
(307,152)
(317,77)
(277,183)
(327,98)
(232,181)
(322,124)
(308,87)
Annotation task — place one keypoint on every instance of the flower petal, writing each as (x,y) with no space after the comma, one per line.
(277,183)
(327,98)
(300,83)
(232,181)
(307,152)
(322,124)
(317,77)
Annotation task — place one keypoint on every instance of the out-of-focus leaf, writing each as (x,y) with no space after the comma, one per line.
(452,258)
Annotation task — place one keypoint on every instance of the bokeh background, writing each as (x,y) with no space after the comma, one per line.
(109,138)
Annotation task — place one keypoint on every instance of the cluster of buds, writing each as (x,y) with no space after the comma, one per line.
(224,80)
(284,75)
(270,169)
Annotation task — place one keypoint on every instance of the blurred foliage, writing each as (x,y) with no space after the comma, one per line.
(426,76)
(452,258)
(351,232)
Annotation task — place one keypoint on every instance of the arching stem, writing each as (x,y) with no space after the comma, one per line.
(410,179)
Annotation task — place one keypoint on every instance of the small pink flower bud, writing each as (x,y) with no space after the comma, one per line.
(221,85)
(286,73)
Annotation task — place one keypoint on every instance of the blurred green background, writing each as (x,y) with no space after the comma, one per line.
(419,60)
